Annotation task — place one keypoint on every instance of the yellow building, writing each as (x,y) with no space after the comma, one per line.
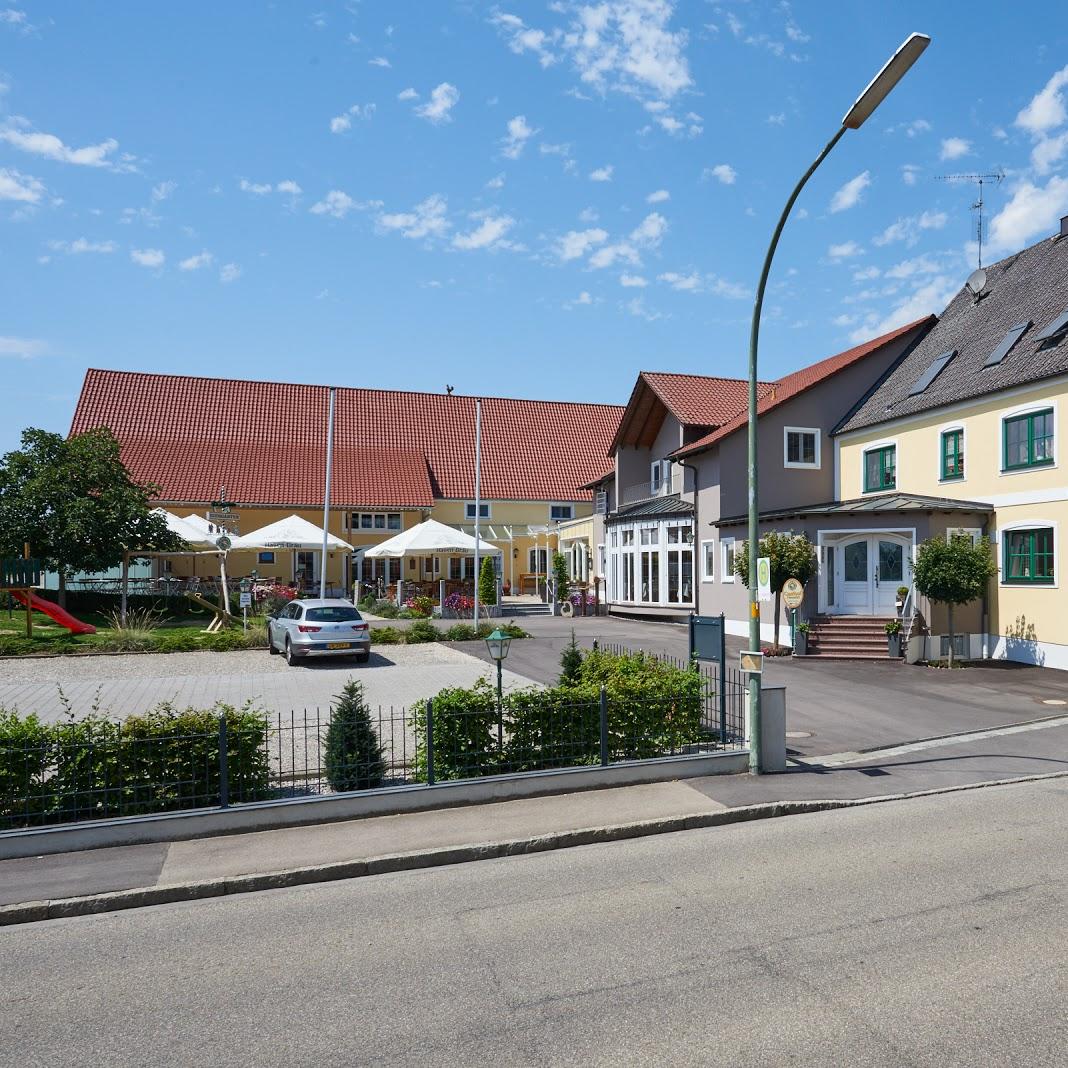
(972,414)
(398,458)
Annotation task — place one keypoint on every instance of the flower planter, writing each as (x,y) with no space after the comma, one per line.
(893,645)
(801,643)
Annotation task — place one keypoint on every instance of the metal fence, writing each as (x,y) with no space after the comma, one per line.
(54,779)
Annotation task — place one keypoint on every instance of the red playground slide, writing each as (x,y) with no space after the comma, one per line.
(50,608)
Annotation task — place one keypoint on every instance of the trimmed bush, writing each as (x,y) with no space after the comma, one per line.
(465,734)
(487,582)
(558,728)
(387,636)
(422,630)
(354,755)
(25,758)
(180,641)
(461,632)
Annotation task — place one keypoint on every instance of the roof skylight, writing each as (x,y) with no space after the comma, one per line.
(1004,347)
(934,369)
(1058,326)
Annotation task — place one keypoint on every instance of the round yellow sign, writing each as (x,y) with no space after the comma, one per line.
(793,593)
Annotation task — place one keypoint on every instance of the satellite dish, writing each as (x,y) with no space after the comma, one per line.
(976,282)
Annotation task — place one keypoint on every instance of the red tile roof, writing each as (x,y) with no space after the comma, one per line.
(779,392)
(700,400)
(265,441)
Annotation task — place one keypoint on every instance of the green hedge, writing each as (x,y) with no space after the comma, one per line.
(94,767)
(654,709)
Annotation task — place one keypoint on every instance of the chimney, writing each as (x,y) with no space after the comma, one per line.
(1064,226)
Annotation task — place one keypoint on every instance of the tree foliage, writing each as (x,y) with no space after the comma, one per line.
(953,571)
(354,754)
(570,662)
(487,582)
(561,579)
(75,503)
(791,556)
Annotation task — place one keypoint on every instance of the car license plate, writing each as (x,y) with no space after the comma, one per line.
(339,645)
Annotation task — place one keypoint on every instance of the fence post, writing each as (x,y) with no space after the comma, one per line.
(224,765)
(430,743)
(604,727)
(723,678)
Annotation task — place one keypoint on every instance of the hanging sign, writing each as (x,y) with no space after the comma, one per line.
(764,579)
(793,593)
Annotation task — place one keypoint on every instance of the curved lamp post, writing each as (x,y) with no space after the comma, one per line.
(877,91)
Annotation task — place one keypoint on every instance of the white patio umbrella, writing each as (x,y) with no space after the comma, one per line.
(290,533)
(430,538)
(195,536)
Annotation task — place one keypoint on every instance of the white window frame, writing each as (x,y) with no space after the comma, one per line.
(705,575)
(558,518)
(1037,523)
(469,510)
(815,431)
(1012,413)
(726,573)
(948,428)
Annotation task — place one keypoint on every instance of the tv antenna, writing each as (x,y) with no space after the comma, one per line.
(980,180)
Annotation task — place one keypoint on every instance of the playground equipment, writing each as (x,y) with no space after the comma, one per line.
(20,576)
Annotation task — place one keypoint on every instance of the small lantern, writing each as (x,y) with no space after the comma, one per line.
(497,643)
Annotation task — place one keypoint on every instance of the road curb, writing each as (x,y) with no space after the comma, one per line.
(117,900)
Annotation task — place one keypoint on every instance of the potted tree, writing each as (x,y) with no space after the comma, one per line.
(801,638)
(893,638)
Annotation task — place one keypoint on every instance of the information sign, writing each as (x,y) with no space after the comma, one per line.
(793,593)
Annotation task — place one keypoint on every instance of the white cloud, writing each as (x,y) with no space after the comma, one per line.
(426,219)
(917,266)
(229,272)
(519,132)
(443,98)
(23,348)
(496,183)
(909,171)
(636,307)
(602,174)
(633,281)
(682,282)
(21,187)
(16,134)
(865,274)
(290,187)
(1046,111)
(335,203)
(588,215)
(844,320)
(1048,152)
(521,38)
(576,243)
(147,257)
(909,227)
(917,126)
(605,257)
(81,245)
(341,123)
(658,197)
(777,119)
(486,235)
(955,147)
(256,188)
(195,263)
(163,191)
(850,193)
(932,296)
(1032,210)
(12,17)
(650,231)
(379,61)
(722,172)
(408,94)
(618,45)
(846,250)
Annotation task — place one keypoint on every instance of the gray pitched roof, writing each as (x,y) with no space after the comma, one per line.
(883,502)
(1032,284)
(671,505)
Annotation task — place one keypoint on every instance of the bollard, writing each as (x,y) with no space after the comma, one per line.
(224,765)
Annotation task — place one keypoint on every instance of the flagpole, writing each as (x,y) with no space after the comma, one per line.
(478,493)
(326,495)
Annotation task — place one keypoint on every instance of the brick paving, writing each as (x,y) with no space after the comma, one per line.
(396,676)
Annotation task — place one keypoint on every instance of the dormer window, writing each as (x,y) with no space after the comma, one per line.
(660,477)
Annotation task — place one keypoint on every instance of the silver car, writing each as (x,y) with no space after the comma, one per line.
(330,627)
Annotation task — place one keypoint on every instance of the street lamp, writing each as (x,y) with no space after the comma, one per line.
(497,643)
(877,91)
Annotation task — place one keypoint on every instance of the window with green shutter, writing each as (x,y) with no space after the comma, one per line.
(880,469)
(952,455)
(1028,440)
(1028,556)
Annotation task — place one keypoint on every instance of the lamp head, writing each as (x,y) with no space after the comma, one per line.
(879,88)
(497,642)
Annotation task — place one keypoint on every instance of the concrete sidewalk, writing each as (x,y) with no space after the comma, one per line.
(212,866)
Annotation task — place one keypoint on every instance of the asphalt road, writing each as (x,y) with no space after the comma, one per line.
(930,931)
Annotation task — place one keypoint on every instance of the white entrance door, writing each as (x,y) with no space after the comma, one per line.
(868,569)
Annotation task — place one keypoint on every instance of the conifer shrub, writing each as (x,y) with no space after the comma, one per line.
(354,754)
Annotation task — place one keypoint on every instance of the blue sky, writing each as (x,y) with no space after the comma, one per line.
(529,199)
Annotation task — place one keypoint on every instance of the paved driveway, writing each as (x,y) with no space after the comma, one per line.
(396,676)
(832,706)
